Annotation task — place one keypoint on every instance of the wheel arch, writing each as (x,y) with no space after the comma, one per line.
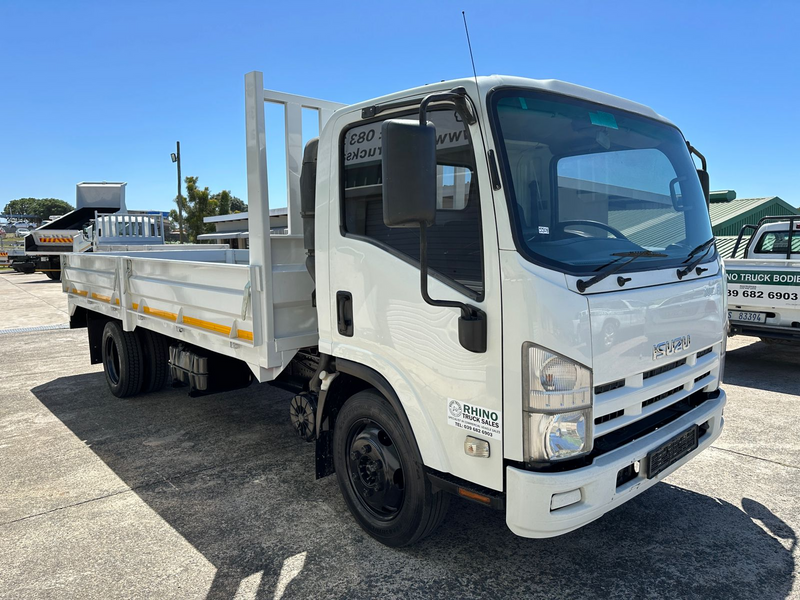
(352,378)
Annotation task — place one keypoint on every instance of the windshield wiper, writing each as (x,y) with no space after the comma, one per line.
(707,245)
(584,285)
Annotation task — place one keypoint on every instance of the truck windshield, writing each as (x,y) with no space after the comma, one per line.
(586,182)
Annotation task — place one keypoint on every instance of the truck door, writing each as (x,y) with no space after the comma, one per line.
(377,315)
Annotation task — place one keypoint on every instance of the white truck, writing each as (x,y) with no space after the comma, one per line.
(44,245)
(764,286)
(433,303)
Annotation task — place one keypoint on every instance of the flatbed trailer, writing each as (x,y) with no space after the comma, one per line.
(449,318)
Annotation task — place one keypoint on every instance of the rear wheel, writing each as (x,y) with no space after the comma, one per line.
(155,360)
(54,275)
(380,473)
(122,360)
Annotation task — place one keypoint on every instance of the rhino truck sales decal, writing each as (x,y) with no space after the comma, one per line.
(763,288)
(481,421)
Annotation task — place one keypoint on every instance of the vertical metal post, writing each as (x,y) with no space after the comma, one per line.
(258,213)
(294,159)
(180,210)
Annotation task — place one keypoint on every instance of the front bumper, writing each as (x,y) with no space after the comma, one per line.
(529,494)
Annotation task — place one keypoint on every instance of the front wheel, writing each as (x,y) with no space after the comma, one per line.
(380,473)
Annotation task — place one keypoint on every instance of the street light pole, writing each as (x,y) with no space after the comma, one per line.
(176,158)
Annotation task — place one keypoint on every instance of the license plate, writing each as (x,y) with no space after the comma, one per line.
(671,452)
(747,317)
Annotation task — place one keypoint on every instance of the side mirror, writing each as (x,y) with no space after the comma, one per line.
(702,174)
(408,156)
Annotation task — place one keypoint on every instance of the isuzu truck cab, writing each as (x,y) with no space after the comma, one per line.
(477,296)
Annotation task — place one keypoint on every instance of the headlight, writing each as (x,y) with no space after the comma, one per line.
(557,406)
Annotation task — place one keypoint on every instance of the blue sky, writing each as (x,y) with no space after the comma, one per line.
(102,90)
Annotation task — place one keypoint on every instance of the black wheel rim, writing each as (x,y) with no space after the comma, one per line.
(301,413)
(375,469)
(111,363)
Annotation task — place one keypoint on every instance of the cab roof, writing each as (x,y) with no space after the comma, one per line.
(491,82)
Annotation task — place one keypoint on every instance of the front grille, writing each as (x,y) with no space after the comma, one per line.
(637,397)
(704,375)
(655,399)
(608,417)
(607,387)
(648,424)
(704,352)
(664,369)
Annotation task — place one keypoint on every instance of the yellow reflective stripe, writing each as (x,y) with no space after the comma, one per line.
(101,297)
(157,312)
(195,322)
(207,325)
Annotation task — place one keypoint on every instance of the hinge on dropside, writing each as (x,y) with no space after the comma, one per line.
(245,300)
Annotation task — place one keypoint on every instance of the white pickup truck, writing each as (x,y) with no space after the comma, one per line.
(764,286)
(477,295)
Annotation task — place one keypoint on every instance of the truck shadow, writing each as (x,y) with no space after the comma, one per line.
(226,472)
(770,367)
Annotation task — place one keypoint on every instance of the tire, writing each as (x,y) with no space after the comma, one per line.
(122,360)
(155,360)
(380,473)
(54,275)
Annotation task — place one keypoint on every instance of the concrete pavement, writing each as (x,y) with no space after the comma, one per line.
(30,301)
(166,496)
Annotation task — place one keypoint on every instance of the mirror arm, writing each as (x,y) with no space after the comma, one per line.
(693,150)
(457,95)
(467,311)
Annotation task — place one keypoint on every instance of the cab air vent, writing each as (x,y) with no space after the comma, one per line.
(664,369)
(655,399)
(607,387)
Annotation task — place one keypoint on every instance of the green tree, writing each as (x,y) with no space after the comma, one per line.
(196,206)
(52,206)
(223,200)
(238,205)
(41,207)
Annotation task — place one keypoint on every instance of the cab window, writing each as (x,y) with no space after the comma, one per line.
(454,240)
(777,242)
